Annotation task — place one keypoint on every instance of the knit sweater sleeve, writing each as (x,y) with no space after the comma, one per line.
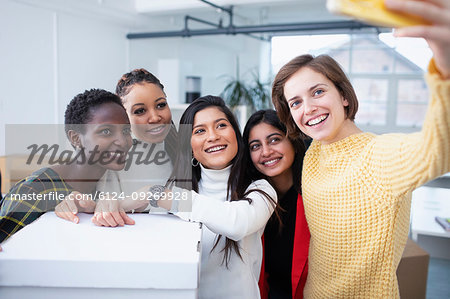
(406,161)
(235,219)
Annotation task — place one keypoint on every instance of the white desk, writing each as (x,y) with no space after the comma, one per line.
(427,203)
(158,257)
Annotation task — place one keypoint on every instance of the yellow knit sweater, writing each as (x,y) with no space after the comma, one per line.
(357,197)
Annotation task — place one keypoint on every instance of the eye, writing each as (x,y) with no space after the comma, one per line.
(274,140)
(318,92)
(127,131)
(222,125)
(295,103)
(254,146)
(139,111)
(161,105)
(198,131)
(106,132)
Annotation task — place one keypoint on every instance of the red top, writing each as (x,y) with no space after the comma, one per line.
(299,256)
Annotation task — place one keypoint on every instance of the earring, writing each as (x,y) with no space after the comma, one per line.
(79,148)
(194,162)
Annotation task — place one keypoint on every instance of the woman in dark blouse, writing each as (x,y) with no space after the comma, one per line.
(279,159)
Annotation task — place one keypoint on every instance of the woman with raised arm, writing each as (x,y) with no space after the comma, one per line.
(356,185)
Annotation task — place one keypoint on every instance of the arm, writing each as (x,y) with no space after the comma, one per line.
(235,219)
(437,35)
(20,208)
(408,161)
(13,217)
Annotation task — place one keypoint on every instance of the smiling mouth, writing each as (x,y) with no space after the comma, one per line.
(271,162)
(118,156)
(317,120)
(215,149)
(115,154)
(156,130)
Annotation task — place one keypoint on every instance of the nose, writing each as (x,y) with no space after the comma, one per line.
(123,141)
(309,107)
(153,116)
(266,150)
(212,136)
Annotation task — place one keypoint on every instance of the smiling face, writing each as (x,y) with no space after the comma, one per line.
(213,140)
(317,107)
(149,113)
(271,151)
(107,137)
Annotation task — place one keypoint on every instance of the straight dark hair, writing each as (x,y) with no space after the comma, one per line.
(187,176)
(270,117)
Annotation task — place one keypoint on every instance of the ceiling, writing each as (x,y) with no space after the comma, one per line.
(169,14)
(246,12)
(158,6)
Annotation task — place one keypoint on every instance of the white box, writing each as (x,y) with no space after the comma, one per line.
(158,257)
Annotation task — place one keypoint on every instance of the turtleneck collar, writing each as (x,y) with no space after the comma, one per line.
(211,177)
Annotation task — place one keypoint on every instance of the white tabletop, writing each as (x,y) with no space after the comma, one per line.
(159,251)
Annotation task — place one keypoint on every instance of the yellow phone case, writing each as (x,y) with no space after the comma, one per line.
(374,12)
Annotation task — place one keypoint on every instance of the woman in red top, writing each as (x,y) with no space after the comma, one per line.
(279,159)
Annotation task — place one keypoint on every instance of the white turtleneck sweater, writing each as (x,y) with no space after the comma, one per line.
(241,221)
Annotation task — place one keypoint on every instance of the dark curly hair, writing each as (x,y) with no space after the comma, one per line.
(79,110)
(139,76)
(134,77)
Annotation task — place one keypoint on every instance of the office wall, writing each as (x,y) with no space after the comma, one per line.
(52,50)
(26,64)
(47,56)
(213,58)
(90,55)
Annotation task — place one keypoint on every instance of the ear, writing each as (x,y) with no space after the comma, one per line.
(74,138)
(345,102)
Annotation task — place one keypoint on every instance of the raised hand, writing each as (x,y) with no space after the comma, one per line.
(437,34)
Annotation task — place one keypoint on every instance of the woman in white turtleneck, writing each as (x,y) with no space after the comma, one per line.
(233,210)
(209,171)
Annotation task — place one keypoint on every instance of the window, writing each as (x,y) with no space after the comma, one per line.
(386,72)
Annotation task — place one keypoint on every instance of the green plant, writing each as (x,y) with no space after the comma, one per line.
(252,93)
(260,93)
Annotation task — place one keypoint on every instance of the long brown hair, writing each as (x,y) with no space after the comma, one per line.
(322,64)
